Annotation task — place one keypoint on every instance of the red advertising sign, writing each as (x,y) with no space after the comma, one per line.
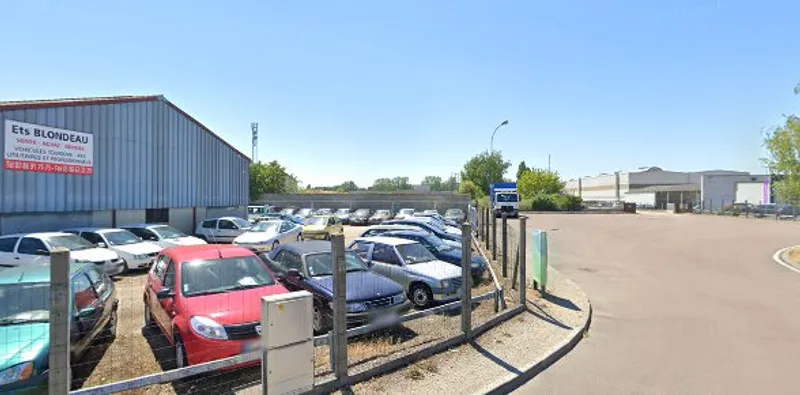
(42,149)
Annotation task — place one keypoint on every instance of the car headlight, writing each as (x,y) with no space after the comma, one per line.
(399,298)
(208,328)
(445,283)
(16,373)
(356,307)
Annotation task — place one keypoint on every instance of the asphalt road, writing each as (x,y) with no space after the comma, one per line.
(683,304)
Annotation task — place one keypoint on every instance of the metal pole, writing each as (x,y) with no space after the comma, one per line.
(339,335)
(59,363)
(466,278)
(486,230)
(523,263)
(504,236)
(494,237)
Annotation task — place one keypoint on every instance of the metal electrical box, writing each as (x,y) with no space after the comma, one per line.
(288,341)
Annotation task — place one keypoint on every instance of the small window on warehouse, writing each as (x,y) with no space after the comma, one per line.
(157,215)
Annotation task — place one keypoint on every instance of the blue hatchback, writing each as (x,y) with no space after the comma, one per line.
(308,266)
(440,249)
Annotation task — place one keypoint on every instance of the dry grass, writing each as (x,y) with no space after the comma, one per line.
(794,256)
(414,373)
(430,366)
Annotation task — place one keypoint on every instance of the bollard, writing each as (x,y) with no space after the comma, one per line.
(504,238)
(523,263)
(466,279)
(59,377)
(339,304)
(540,260)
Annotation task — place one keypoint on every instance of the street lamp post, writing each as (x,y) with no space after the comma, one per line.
(491,143)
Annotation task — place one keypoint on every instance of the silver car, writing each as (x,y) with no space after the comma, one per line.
(425,278)
(266,235)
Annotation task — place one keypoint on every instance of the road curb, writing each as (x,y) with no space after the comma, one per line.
(777,258)
(556,353)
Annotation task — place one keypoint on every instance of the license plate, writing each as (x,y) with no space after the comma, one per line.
(385,319)
(251,346)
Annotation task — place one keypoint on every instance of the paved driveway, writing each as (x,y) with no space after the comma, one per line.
(682,304)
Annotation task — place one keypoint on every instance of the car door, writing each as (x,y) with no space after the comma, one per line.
(338,228)
(208,230)
(31,250)
(7,256)
(88,311)
(386,262)
(226,231)
(103,289)
(155,283)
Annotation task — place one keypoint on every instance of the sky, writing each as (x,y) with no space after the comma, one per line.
(357,90)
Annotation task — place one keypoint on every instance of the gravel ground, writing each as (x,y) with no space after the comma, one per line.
(137,352)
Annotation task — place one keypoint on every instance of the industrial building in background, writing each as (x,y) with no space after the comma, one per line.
(655,187)
(112,161)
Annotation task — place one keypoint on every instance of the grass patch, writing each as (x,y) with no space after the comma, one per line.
(413,373)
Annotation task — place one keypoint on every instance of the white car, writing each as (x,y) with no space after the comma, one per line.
(163,235)
(425,278)
(266,235)
(222,230)
(136,252)
(35,248)
(404,213)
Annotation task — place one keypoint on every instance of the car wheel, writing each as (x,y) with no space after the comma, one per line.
(148,317)
(319,320)
(421,296)
(180,354)
(275,244)
(111,327)
(125,267)
(300,237)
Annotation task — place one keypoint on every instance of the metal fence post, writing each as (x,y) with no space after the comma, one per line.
(494,237)
(59,375)
(466,279)
(523,263)
(339,335)
(486,228)
(504,235)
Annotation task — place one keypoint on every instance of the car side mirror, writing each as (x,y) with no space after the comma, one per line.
(43,252)
(165,293)
(294,273)
(87,312)
(101,245)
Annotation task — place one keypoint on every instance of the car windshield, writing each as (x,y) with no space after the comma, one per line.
(321,264)
(317,221)
(414,253)
(438,243)
(407,211)
(267,226)
(305,211)
(121,238)
(167,232)
(362,211)
(382,212)
(506,197)
(24,303)
(240,222)
(70,242)
(204,277)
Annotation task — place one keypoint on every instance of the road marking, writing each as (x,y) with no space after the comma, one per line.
(777,258)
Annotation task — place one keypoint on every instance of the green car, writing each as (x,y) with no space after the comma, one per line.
(25,327)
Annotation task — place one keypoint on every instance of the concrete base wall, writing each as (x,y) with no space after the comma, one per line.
(102,219)
(40,222)
(373,201)
(125,217)
(182,219)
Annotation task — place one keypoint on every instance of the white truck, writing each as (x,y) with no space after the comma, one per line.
(505,199)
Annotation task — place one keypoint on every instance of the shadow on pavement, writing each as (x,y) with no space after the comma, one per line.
(545,316)
(494,358)
(565,303)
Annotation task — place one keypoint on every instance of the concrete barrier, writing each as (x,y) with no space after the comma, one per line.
(374,201)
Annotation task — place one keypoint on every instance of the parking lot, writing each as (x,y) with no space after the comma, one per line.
(138,351)
(682,303)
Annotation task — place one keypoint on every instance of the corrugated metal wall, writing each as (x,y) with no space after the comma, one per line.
(147,155)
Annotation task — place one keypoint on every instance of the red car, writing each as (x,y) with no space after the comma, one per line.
(206,299)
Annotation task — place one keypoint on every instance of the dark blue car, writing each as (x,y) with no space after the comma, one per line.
(435,230)
(308,266)
(440,249)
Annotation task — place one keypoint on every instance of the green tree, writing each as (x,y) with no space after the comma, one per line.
(383,185)
(267,178)
(468,187)
(484,169)
(521,169)
(540,182)
(292,184)
(783,159)
(451,184)
(401,183)
(435,182)
(347,186)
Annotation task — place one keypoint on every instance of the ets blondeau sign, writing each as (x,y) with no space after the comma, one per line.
(42,149)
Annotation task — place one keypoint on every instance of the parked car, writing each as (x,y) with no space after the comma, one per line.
(291,211)
(163,235)
(429,226)
(135,252)
(429,212)
(206,300)
(379,217)
(308,265)
(425,278)
(343,214)
(255,212)
(323,211)
(304,213)
(439,219)
(455,215)
(267,235)
(25,322)
(441,250)
(404,213)
(379,230)
(361,217)
(34,248)
(322,227)
(221,230)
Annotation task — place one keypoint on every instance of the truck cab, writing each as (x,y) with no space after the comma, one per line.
(505,199)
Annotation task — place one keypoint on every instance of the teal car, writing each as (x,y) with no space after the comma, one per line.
(25,327)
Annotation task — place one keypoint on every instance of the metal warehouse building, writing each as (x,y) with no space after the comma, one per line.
(113,161)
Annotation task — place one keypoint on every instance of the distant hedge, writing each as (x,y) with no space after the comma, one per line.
(552,202)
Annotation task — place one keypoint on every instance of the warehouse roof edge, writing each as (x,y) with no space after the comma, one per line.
(89,101)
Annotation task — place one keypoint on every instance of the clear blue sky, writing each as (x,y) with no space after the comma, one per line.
(365,89)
